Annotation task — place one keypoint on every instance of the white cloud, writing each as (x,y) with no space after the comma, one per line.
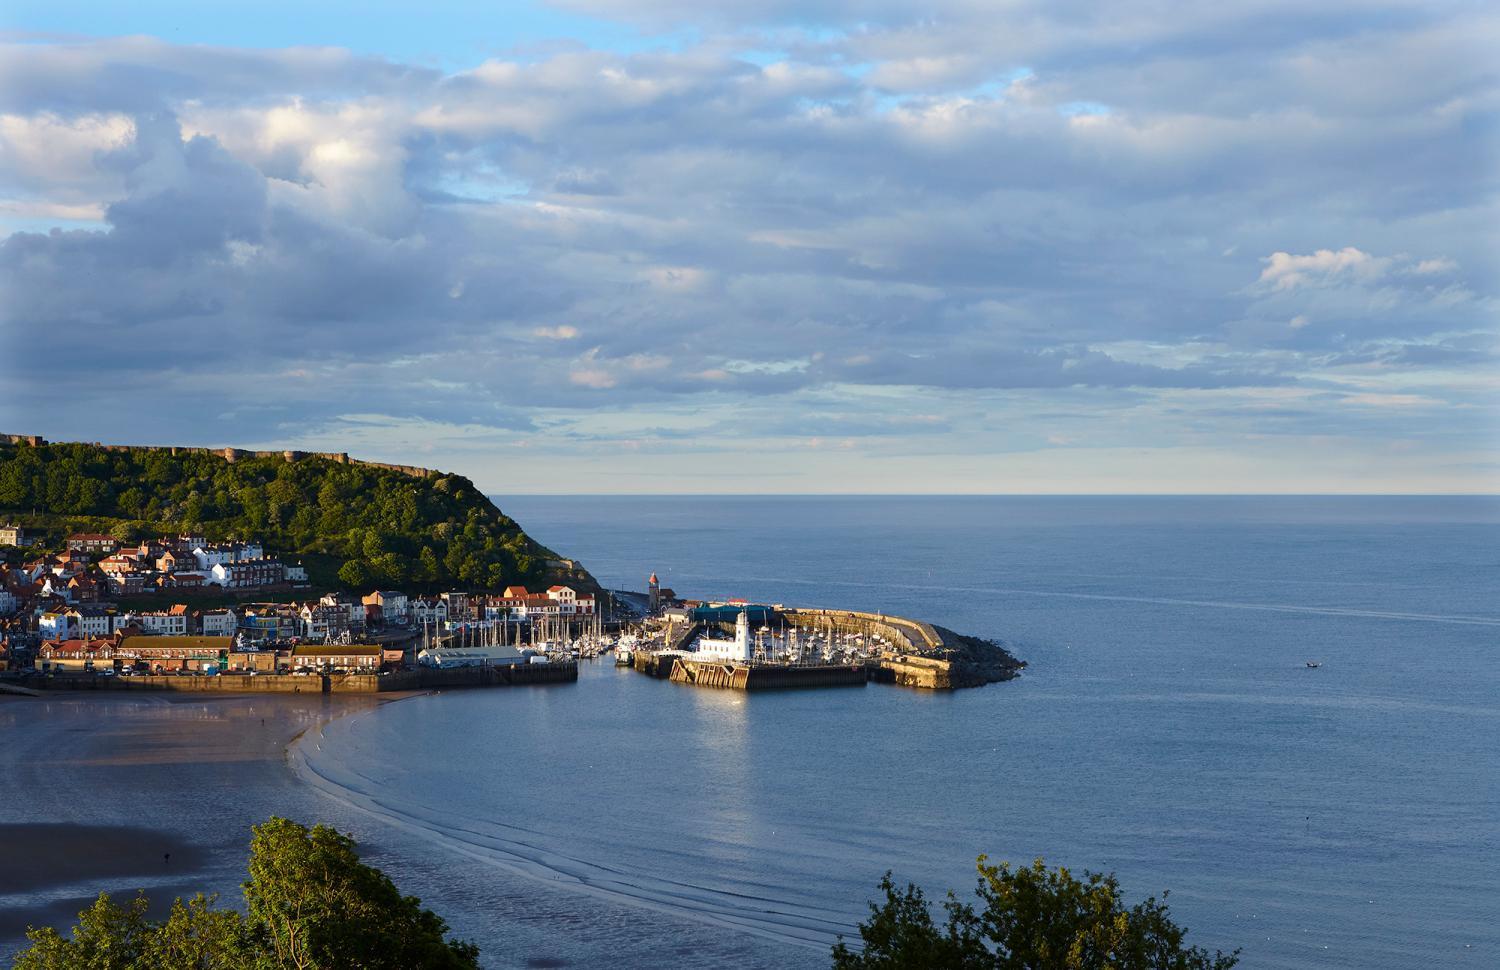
(563,332)
(1435,267)
(1285,271)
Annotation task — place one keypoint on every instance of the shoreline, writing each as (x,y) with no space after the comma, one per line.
(59,847)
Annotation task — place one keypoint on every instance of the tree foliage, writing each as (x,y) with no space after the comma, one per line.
(310,905)
(435,531)
(319,906)
(1028,918)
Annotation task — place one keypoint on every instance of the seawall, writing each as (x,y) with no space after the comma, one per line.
(515,675)
(738,676)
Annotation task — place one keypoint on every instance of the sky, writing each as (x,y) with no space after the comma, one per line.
(592,246)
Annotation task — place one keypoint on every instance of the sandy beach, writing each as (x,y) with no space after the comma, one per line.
(128,793)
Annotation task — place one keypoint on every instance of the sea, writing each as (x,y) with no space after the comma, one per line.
(1168,728)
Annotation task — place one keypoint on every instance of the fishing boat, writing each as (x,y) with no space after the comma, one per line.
(1314,664)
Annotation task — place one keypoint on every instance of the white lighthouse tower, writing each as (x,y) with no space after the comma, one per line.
(742,637)
(734,651)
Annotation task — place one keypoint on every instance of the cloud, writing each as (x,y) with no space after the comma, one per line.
(1285,271)
(797,211)
(563,332)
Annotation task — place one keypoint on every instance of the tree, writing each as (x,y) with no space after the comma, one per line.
(320,907)
(125,531)
(903,934)
(108,936)
(428,567)
(310,905)
(196,936)
(1033,918)
(354,574)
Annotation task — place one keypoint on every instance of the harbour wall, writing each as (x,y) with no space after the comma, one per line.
(516,675)
(916,635)
(657,665)
(730,676)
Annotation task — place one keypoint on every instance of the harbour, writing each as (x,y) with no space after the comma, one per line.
(622,801)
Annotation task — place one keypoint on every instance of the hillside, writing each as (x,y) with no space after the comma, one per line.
(359,524)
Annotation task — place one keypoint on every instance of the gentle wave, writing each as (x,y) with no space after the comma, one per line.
(1157,600)
(506,847)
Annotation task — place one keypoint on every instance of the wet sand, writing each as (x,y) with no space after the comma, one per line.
(129,793)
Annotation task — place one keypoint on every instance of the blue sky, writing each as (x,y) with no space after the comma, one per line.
(765,246)
(439,33)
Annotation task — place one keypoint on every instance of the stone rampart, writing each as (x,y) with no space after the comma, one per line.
(232,455)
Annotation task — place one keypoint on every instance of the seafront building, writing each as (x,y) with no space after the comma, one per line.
(93,594)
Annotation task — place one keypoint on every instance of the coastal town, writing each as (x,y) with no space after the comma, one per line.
(78,609)
(93,606)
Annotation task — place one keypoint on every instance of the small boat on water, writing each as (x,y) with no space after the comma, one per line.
(1314,664)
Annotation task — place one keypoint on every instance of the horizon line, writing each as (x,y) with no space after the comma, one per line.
(1495,495)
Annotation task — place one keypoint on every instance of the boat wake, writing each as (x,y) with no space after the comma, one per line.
(522,852)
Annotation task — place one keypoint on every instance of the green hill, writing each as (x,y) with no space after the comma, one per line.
(356,524)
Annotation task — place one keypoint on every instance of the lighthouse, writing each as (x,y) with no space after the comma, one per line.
(653,593)
(738,650)
(742,637)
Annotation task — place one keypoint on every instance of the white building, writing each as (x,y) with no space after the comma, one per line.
(7,602)
(424,611)
(323,621)
(219,623)
(91,621)
(294,573)
(394,606)
(565,598)
(247,573)
(56,586)
(737,650)
(55,625)
(209,556)
(172,624)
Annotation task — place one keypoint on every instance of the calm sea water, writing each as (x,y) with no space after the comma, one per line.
(1167,729)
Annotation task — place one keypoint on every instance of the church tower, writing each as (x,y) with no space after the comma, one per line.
(653,592)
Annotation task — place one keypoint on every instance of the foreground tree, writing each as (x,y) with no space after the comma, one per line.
(108,937)
(1031,918)
(318,906)
(311,905)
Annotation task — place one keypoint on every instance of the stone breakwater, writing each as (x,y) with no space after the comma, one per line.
(926,657)
(933,657)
